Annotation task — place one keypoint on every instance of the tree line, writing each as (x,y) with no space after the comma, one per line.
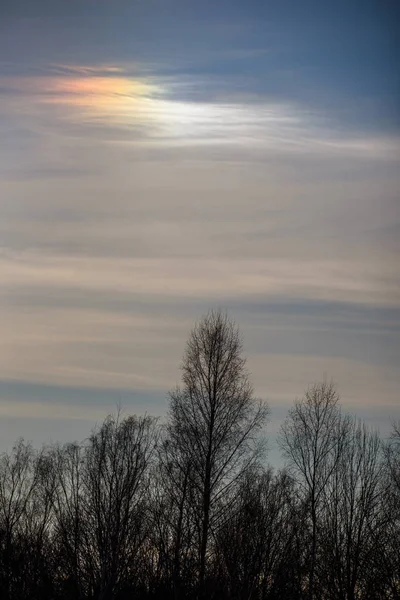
(189,509)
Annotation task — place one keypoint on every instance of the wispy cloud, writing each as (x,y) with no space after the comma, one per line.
(87,70)
(207,277)
(104,98)
(131,203)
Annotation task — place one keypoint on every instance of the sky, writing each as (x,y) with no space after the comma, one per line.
(160,158)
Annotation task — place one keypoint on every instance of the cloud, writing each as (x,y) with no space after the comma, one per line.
(107,103)
(131,204)
(123,323)
(87,70)
(207,277)
(52,401)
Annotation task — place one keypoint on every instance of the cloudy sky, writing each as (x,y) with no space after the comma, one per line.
(163,157)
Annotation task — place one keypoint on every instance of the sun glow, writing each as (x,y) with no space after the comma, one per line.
(110,97)
(150,112)
(130,102)
(105,94)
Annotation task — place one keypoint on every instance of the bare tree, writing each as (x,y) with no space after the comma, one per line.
(27,487)
(172,529)
(116,467)
(18,479)
(351,518)
(72,535)
(213,422)
(174,525)
(387,538)
(393,455)
(257,544)
(311,439)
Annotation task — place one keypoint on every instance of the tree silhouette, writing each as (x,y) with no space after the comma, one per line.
(189,508)
(312,440)
(214,420)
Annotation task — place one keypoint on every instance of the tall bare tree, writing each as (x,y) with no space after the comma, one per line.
(351,521)
(27,486)
(311,439)
(174,525)
(387,542)
(393,456)
(18,479)
(213,422)
(72,534)
(116,468)
(258,544)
